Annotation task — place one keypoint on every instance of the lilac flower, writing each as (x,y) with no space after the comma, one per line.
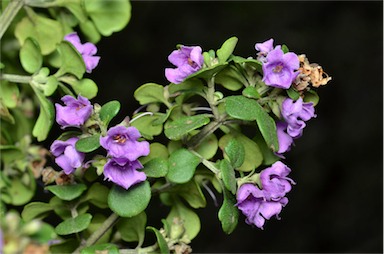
(295,113)
(279,68)
(121,144)
(124,175)
(188,60)
(74,113)
(67,157)
(285,140)
(275,181)
(264,49)
(254,205)
(87,51)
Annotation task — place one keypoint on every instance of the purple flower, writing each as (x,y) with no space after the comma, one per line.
(188,60)
(124,175)
(254,205)
(279,68)
(87,51)
(285,140)
(121,144)
(264,49)
(295,113)
(74,113)
(275,181)
(67,157)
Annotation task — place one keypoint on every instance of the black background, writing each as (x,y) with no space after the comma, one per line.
(337,204)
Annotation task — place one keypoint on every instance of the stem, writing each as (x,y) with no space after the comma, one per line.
(108,223)
(16,78)
(206,131)
(211,97)
(210,165)
(148,249)
(9,14)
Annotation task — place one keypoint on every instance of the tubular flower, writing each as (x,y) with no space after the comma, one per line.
(188,60)
(280,69)
(285,140)
(264,48)
(254,205)
(74,113)
(67,157)
(125,175)
(275,181)
(296,113)
(87,51)
(121,144)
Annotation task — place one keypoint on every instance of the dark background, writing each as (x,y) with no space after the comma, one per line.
(337,204)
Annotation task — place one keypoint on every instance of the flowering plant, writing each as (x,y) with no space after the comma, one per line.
(224,122)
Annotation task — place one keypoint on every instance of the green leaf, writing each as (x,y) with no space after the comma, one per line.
(163,246)
(74,225)
(228,176)
(133,229)
(75,7)
(20,193)
(231,79)
(51,85)
(248,62)
(190,85)
(251,92)
(244,108)
(9,94)
(30,56)
(46,32)
(191,192)
(157,167)
(45,234)
(157,150)
(269,157)
(311,96)
(107,248)
(67,192)
(284,48)
(108,111)
(228,213)
(66,246)
(97,194)
(208,148)
(252,156)
(88,144)
(293,94)
(150,93)
(147,125)
(71,61)
(188,217)
(182,166)
(226,49)
(131,202)
(5,114)
(235,152)
(175,130)
(85,87)
(108,16)
(207,73)
(35,209)
(90,31)
(46,117)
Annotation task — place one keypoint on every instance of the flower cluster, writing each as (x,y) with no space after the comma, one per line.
(259,204)
(124,151)
(280,70)
(295,114)
(188,60)
(87,51)
(120,142)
